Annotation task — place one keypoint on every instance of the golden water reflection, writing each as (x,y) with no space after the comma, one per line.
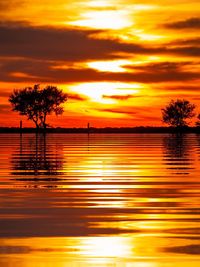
(99,200)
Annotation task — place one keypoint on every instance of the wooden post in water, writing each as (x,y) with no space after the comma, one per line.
(21,126)
(88,127)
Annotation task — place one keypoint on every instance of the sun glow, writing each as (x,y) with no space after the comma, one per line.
(107,247)
(111,66)
(143,7)
(147,36)
(96,91)
(99,3)
(109,19)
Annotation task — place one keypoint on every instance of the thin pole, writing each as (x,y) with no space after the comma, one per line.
(88,127)
(21,126)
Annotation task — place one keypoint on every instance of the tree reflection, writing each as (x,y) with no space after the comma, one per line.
(36,157)
(198,143)
(177,152)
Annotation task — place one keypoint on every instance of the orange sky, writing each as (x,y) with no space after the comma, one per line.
(120,61)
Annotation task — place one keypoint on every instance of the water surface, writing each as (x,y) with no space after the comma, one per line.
(117,200)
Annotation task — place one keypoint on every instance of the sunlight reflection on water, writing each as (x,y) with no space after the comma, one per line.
(100,200)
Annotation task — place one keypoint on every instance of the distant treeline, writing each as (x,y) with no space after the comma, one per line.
(111,130)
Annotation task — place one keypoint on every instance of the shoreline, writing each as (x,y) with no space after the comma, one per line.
(106,130)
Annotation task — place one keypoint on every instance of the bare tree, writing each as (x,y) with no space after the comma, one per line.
(176,113)
(36,103)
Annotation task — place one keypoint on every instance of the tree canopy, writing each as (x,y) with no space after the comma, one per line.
(176,113)
(37,103)
(198,121)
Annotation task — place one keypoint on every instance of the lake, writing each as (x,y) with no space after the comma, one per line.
(109,200)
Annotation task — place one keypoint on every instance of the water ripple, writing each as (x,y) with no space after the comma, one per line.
(99,200)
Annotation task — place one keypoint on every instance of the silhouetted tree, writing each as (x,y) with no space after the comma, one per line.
(198,121)
(36,103)
(177,112)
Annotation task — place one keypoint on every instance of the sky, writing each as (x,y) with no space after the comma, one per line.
(119,61)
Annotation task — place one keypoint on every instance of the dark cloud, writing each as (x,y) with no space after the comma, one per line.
(25,70)
(160,66)
(64,44)
(30,54)
(76,97)
(187,42)
(163,72)
(117,110)
(189,47)
(141,113)
(181,88)
(44,72)
(119,97)
(189,50)
(191,23)
(187,250)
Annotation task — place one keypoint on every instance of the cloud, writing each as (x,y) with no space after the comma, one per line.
(90,75)
(187,42)
(181,88)
(191,23)
(76,97)
(189,47)
(120,97)
(118,111)
(37,50)
(160,72)
(62,44)
(39,71)
(189,50)
(159,66)
(138,113)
